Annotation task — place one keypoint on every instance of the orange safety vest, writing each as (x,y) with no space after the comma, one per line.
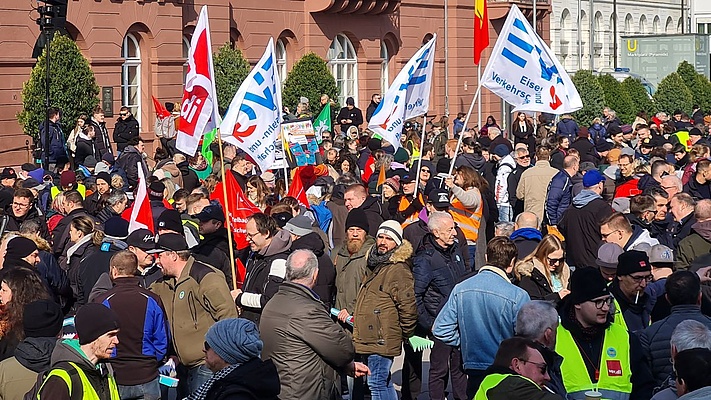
(404,203)
(466,219)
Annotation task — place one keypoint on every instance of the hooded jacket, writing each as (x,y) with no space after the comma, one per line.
(567,127)
(193,302)
(581,227)
(266,270)
(18,374)
(55,388)
(526,240)
(696,244)
(124,131)
(129,160)
(501,188)
(304,343)
(57,149)
(475,161)
(350,271)
(385,311)
(253,380)
(639,236)
(326,282)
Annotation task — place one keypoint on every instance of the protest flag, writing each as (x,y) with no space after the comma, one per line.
(323,122)
(296,189)
(141,212)
(481,29)
(161,111)
(238,209)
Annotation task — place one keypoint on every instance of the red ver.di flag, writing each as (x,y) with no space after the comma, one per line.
(198,112)
(238,209)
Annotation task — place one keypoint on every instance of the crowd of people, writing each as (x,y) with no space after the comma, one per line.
(555,262)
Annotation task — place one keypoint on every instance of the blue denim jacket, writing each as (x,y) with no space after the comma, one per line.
(480,313)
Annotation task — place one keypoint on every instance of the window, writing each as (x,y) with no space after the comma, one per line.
(186,52)
(643,25)
(628,25)
(669,26)
(131,75)
(344,66)
(700,28)
(384,60)
(656,25)
(281,61)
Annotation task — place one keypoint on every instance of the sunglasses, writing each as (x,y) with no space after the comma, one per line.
(425,170)
(123,114)
(555,260)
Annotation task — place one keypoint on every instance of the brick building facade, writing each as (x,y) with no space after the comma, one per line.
(138,48)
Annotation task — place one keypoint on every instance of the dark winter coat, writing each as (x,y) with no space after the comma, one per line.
(370,110)
(214,250)
(526,240)
(129,160)
(60,237)
(680,230)
(698,191)
(535,283)
(586,150)
(103,144)
(696,244)
(92,266)
(14,223)
(581,227)
(559,197)
(190,178)
(326,282)
(375,212)
(567,127)
(253,380)
(436,270)
(415,232)
(93,203)
(355,115)
(124,131)
(524,135)
(85,147)
(304,343)
(655,339)
(57,148)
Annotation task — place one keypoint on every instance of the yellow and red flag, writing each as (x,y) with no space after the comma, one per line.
(481,29)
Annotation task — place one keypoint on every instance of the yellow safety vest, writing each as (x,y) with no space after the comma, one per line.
(492,381)
(615,381)
(54,191)
(467,219)
(683,137)
(415,151)
(87,390)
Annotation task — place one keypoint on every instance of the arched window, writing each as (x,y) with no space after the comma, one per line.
(566,28)
(656,25)
(131,75)
(669,26)
(281,61)
(384,60)
(186,52)
(629,29)
(678,25)
(599,35)
(343,62)
(643,25)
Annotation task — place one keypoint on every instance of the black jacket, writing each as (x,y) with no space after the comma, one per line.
(526,135)
(93,203)
(326,282)
(537,287)
(91,268)
(60,238)
(75,255)
(214,250)
(103,144)
(375,212)
(680,230)
(355,115)
(124,131)
(253,380)
(697,190)
(586,149)
(581,227)
(129,160)
(655,338)
(370,110)
(85,147)
(415,232)
(191,181)
(436,270)
(14,223)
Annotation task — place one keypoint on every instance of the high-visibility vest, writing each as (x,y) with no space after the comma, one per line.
(404,203)
(684,139)
(467,219)
(619,318)
(615,381)
(80,188)
(492,381)
(87,390)
(415,151)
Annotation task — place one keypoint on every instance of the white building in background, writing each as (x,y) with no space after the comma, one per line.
(701,16)
(571,26)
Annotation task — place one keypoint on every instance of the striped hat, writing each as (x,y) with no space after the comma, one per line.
(392,229)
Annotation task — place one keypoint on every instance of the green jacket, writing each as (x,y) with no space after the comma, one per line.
(193,303)
(385,310)
(350,270)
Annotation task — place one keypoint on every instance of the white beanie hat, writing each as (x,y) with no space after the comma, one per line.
(392,229)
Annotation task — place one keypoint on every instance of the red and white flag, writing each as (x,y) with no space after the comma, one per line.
(297,190)
(141,213)
(238,209)
(198,111)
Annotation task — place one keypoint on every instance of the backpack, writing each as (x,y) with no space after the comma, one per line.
(165,127)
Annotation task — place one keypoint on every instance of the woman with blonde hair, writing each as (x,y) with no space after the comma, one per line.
(544,274)
(257,192)
(467,205)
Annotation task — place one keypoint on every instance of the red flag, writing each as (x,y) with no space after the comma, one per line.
(238,209)
(481,29)
(161,111)
(141,213)
(296,190)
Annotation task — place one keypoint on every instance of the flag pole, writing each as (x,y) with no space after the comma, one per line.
(478,107)
(285,162)
(466,121)
(419,162)
(227,212)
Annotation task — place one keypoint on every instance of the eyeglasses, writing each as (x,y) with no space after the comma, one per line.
(543,367)
(251,235)
(600,303)
(526,157)
(639,279)
(425,170)
(20,205)
(555,260)
(606,235)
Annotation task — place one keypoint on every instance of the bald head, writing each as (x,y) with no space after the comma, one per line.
(302,267)
(702,211)
(526,220)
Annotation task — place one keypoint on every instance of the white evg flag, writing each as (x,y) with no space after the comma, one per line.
(524,72)
(407,97)
(253,120)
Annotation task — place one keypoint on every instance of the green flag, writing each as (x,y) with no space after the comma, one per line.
(206,142)
(323,122)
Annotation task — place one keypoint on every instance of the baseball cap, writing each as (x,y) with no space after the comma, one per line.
(212,211)
(592,178)
(439,198)
(169,242)
(607,255)
(8,173)
(661,254)
(32,183)
(143,239)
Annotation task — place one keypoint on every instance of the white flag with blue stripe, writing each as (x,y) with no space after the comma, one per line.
(524,72)
(407,97)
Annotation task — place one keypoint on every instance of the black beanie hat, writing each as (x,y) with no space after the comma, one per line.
(42,318)
(19,247)
(633,261)
(356,218)
(104,176)
(93,320)
(586,284)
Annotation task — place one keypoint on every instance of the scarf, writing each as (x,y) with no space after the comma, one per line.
(375,259)
(201,393)
(586,334)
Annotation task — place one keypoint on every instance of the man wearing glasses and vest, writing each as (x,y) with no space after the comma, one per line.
(597,354)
